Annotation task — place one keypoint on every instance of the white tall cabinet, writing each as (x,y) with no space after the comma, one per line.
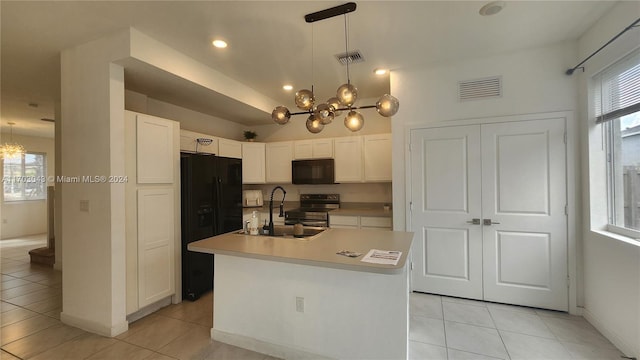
(152,199)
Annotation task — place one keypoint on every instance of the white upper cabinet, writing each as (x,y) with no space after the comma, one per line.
(303,149)
(278,162)
(377,157)
(189,142)
(253,163)
(230,148)
(154,150)
(313,149)
(348,159)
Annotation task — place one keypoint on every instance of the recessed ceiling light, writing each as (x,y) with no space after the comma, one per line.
(380,71)
(492,8)
(220,44)
(288,87)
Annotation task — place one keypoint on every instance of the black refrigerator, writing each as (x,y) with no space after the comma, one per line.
(211,189)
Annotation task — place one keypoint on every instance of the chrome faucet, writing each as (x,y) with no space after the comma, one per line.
(284,194)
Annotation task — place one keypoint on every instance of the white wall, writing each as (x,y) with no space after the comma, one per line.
(92,144)
(189,119)
(534,81)
(28,217)
(361,192)
(611,267)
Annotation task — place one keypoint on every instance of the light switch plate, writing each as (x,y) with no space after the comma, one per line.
(84,205)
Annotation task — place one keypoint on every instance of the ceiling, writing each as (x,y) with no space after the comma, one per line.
(270,44)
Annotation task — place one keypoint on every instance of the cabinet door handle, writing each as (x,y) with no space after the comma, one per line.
(488,222)
(474,221)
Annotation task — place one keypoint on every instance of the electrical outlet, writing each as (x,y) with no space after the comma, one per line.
(299,304)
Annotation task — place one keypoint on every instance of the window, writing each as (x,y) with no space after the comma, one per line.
(617,101)
(25,177)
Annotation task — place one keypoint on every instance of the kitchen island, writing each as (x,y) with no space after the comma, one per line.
(296,298)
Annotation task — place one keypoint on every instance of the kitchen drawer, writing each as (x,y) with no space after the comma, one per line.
(342,220)
(375,222)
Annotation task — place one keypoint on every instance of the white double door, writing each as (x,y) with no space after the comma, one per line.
(488,210)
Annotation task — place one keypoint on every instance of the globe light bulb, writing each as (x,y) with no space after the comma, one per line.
(354,121)
(347,94)
(281,115)
(314,125)
(387,105)
(304,99)
(334,102)
(324,113)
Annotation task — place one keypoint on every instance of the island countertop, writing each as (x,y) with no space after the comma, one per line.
(320,250)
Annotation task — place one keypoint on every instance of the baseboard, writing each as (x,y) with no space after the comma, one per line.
(275,350)
(149,309)
(626,348)
(94,327)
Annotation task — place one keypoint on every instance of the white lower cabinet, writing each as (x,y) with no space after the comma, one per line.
(360,222)
(155,245)
(375,222)
(345,222)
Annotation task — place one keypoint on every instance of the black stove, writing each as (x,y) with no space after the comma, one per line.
(314,210)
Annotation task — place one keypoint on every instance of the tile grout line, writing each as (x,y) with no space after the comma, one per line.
(499,334)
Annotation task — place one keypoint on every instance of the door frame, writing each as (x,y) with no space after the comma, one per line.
(573,187)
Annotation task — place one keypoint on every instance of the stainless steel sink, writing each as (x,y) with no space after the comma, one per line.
(287,231)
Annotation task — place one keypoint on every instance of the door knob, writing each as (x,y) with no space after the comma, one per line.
(489,222)
(474,222)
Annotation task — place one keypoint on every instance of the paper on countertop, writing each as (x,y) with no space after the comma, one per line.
(348,253)
(385,257)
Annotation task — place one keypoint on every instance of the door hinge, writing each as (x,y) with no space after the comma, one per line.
(411,266)
(409,147)
(568,281)
(565,137)
(411,206)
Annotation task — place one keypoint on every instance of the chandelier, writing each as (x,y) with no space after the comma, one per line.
(11,150)
(323,114)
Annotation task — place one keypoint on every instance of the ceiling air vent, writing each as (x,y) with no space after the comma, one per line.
(350,57)
(479,89)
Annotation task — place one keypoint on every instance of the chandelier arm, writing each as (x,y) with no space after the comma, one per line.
(340,109)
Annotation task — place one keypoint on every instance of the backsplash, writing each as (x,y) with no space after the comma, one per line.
(366,192)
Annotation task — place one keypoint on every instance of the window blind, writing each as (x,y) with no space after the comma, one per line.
(617,89)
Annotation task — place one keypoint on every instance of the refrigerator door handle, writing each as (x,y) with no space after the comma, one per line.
(216,216)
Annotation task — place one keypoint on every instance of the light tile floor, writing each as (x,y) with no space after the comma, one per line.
(31,301)
(440,327)
(450,328)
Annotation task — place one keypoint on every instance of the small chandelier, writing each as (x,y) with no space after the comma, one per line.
(11,150)
(323,114)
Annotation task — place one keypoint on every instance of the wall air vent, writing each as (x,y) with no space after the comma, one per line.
(350,57)
(478,89)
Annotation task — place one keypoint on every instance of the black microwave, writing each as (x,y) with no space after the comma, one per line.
(314,171)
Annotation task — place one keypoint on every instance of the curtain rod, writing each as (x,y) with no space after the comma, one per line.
(634,24)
